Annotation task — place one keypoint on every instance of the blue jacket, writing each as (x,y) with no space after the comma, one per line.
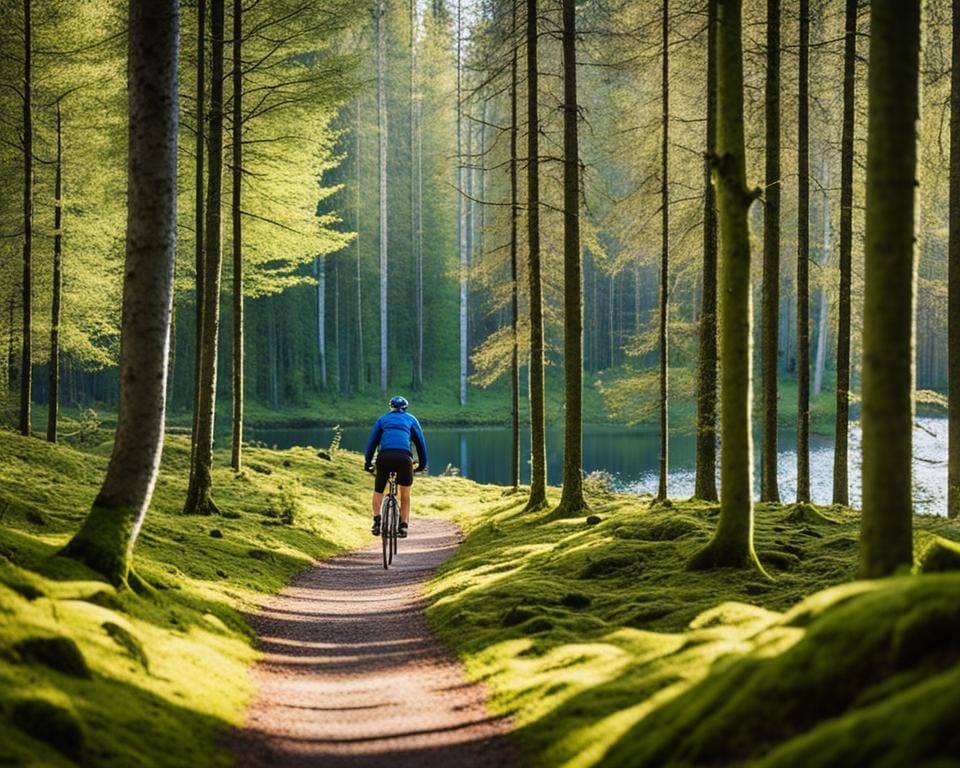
(395,430)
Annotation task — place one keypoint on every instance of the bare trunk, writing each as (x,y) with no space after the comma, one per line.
(236,449)
(953,298)
(106,540)
(198,218)
(361,379)
(841,427)
(26,349)
(538,449)
(886,535)
(705,482)
(821,358)
(198,499)
(415,174)
(515,288)
(664,244)
(571,501)
(379,14)
(803,263)
(54,393)
(320,272)
(461,242)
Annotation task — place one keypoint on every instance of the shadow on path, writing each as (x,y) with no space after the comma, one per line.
(353,677)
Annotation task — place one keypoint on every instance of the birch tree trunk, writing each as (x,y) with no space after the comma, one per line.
(732,544)
(106,540)
(841,426)
(236,448)
(538,449)
(26,349)
(664,244)
(705,483)
(886,534)
(199,501)
(571,500)
(54,367)
(771,261)
(803,262)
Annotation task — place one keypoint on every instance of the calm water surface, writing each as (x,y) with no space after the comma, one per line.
(630,456)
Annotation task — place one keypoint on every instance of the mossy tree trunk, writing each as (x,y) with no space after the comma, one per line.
(538,447)
(803,261)
(732,544)
(236,448)
(571,500)
(199,501)
(53,398)
(515,287)
(769,339)
(953,299)
(664,243)
(105,541)
(886,534)
(841,493)
(705,483)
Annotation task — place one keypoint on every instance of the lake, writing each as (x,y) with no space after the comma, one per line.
(630,456)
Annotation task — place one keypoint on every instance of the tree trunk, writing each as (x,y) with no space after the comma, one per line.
(461,241)
(361,379)
(664,246)
(732,544)
(320,272)
(803,262)
(105,541)
(821,358)
(571,500)
(769,337)
(705,483)
(415,212)
(841,427)
(53,396)
(538,448)
(198,180)
(381,31)
(236,448)
(198,501)
(26,349)
(515,288)
(953,295)
(886,535)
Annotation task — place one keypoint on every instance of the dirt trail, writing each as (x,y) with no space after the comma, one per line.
(353,677)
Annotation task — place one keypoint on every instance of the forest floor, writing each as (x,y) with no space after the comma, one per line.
(594,641)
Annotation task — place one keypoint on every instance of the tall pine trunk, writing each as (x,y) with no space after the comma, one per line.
(461,239)
(538,446)
(953,298)
(106,540)
(769,338)
(198,191)
(664,244)
(705,483)
(236,448)
(54,367)
(821,357)
(199,501)
(841,483)
(361,374)
(26,349)
(571,500)
(381,33)
(732,544)
(886,534)
(415,171)
(514,287)
(803,262)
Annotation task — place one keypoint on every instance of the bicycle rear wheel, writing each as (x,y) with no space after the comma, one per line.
(388,528)
(394,522)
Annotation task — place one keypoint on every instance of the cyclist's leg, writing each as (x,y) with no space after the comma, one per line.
(404,503)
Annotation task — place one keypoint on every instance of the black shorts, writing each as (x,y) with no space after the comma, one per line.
(397,461)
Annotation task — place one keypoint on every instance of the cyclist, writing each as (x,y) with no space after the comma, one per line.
(393,433)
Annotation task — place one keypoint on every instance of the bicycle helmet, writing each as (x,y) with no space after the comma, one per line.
(399,402)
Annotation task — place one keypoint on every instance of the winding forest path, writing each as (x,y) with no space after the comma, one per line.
(353,677)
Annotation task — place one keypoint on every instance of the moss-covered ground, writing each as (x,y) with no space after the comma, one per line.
(608,652)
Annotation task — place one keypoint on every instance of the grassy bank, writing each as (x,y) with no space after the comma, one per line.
(98,677)
(608,652)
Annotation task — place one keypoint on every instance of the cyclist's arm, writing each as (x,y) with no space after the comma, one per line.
(373,442)
(416,435)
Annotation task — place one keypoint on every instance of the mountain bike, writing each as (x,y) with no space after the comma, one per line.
(390,521)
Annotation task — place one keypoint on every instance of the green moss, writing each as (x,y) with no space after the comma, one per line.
(50,723)
(940,555)
(58,653)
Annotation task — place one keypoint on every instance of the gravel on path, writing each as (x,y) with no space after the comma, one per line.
(352,675)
